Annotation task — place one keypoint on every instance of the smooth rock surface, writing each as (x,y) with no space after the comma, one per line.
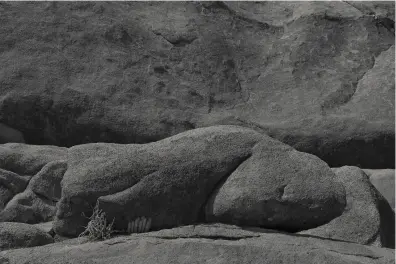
(384,181)
(368,218)
(36,203)
(171,180)
(18,235)
(204,244)
(315,75)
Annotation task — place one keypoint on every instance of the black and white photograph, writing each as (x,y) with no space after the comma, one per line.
(197,132)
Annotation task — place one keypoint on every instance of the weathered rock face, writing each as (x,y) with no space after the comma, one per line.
(18,235)
(384,181)
(25,198)
(277,188)
(10,185)
(47,182)
(316,75)
(171,180)
(28,207)
(368,218)
(204,244)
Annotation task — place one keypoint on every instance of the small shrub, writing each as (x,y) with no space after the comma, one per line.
(97,228)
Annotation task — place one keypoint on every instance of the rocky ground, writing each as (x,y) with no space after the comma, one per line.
(208,132)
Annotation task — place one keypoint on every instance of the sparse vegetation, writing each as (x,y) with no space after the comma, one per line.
(98,228)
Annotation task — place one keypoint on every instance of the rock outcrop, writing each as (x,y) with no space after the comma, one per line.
(367,219)
(30,198)
(204,244)
(170,182)
(10,185)
(277,188)
(315,75)
(197,116)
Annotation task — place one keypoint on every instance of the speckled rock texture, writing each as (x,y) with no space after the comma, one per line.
(171,182)
(316,75)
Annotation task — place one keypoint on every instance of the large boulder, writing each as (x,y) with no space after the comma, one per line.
(315,74)
(37,203)
(171,180)
(20,235)
(203,244)
(280,188)
(367,219)
(384,181)
(8,134)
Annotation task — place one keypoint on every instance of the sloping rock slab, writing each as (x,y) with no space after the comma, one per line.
(204,244)
(20,235)
(384,181)
(171,180)
(368,219)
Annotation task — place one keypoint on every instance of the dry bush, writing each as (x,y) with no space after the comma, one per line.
(97,228)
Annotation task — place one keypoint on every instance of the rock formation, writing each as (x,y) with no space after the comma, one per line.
(171,180)
(316,75)
(221,132)
(204,244)
(367,219)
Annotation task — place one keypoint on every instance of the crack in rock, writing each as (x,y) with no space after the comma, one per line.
(180,41)
(216,237)
(387,23)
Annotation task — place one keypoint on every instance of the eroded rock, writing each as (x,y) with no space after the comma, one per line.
(10,185)
(368,219)
(170,181)
(280,188)
(312,72)
(37,202)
